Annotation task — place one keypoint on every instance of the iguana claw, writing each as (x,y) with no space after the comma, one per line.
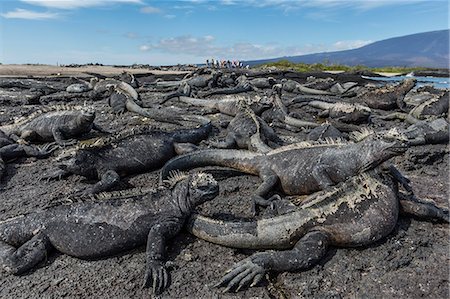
(246,273)
(156,277)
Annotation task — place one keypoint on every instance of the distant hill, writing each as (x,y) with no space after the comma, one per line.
(428,49)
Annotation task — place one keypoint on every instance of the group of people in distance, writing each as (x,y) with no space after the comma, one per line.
(218,64)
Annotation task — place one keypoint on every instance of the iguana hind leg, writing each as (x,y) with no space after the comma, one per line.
(306,253)
(22,259)
(411,205)
(109,179)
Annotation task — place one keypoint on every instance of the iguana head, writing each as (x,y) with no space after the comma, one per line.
(82,163)
(376,148)
(192,189)
(87,115)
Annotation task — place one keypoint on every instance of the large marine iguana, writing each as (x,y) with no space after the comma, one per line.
(356,212)
(55,123)
(133,151)
(300,168)
(92,230)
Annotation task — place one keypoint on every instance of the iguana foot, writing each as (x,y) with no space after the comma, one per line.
(246,273)
(46,150)
(55,174)
(68,142)
(260,201)
(156,277)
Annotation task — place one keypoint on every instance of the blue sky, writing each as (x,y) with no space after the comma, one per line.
(190,31)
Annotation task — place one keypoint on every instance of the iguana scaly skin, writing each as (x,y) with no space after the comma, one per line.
(103,228)
(298,168)
(58,123)
(356,212)
(130,152)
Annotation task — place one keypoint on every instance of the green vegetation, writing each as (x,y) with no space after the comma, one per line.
(303,67)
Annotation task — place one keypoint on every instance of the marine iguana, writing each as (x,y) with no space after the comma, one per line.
(356,212)
(387,97)
(231,105)
(10,150)
(436,106)
(344,112)
(240,88)
(121,100)
(300,168)
(423,132)
(248,131)
(295,87)
(133,151)
(55,123)
(92,230)
(283,115)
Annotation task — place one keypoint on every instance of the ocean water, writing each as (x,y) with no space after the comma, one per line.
(437,82)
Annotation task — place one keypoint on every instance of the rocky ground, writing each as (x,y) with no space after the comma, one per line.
(412,262)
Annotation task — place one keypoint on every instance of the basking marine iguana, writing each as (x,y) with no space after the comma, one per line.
(248,131)
(134,151)
(121,100)
(10,150)
(55,123)
(300,168)
(356,212)
(387,97)
(231,105)
(91,230)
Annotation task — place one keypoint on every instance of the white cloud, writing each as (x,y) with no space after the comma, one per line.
(205,46)
(29,15)
(170,16)
(72,4)
(150,10)
(350,44)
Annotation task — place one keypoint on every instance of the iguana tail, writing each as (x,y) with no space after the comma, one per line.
(308,90)
(238,159)
(269,233)
(192,135)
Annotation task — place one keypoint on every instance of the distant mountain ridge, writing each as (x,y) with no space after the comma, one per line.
(427,49)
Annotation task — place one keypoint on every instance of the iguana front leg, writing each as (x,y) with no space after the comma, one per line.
(411,205)
(270,179)
(321,176)
(156,275)
(20,150)
(59,138)
(248,272)
(229,142)
(17,261)
(109,179)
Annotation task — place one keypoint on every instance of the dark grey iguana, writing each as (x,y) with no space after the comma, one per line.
(248,131)
(356,212)
(56,123)
(10,150)
(134,151)
(231,105)
(300,168)
(121,100)
(387,97)
(434,107)
(99,229)
(423,132)
(344,112)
